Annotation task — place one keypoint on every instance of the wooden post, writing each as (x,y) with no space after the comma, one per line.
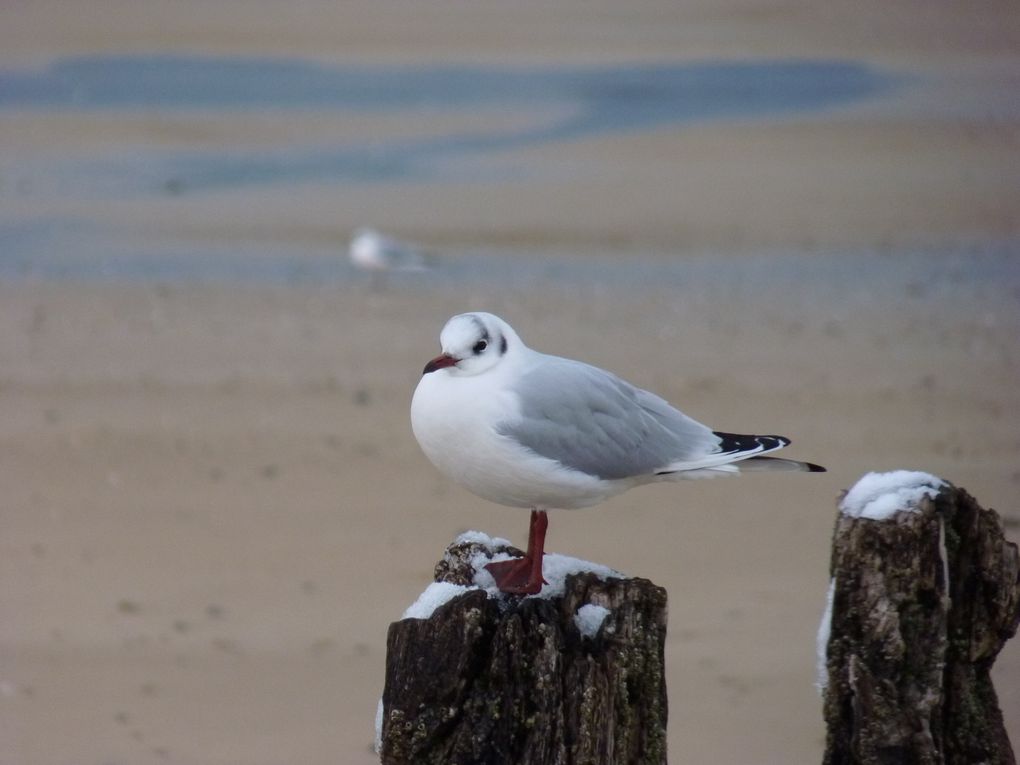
(516,681)
(922,602)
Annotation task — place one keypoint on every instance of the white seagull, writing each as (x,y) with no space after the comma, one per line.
(526,429)
(372,251)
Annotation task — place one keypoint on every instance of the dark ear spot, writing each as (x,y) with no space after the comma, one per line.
(502,345)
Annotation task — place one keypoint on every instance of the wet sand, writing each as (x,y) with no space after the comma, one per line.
(213,502)
(215,505)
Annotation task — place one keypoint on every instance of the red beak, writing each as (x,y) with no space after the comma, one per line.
(439,362)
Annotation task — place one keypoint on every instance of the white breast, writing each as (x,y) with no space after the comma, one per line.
(455,420)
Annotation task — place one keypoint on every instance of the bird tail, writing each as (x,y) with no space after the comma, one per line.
(777,464)
(739,454)
(737,446)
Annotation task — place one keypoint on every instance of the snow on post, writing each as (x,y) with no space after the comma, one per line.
(575,674)
(879,496)
(924,592)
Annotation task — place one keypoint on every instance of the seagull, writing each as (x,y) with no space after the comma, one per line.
(525,429)
(372,251)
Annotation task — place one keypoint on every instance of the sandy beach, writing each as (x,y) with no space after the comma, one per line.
(214,503)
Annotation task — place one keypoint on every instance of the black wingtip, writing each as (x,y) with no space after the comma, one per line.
(737,442)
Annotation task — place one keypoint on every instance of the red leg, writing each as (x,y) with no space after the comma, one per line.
(523,576)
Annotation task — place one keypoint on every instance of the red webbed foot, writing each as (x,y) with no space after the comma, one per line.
(523,576)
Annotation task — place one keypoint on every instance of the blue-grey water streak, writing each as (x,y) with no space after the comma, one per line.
(566,103)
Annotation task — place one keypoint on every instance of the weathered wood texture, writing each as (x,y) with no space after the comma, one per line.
(512,680)
(923,603)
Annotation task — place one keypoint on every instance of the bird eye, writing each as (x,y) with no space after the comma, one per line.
(480,346)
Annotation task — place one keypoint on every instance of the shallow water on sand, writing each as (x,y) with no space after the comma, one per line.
(564,103)
(77,251)
(146,131)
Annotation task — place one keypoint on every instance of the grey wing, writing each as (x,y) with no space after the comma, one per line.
(592,421)
(402,255)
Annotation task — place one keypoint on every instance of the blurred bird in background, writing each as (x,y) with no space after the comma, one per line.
(378,254)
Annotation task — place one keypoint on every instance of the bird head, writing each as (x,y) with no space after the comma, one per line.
(474,343)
